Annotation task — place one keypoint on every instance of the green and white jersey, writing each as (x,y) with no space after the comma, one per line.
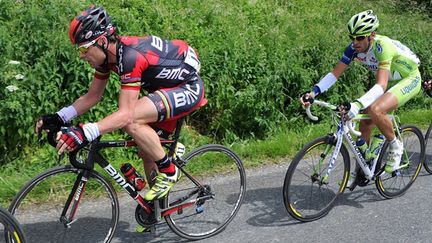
(385,53)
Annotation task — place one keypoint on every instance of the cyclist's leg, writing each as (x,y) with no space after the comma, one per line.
(150,168)
(365,128)
(395,97)
(378,113)
(148,141)
(149,144)
(171,104)
(163,130)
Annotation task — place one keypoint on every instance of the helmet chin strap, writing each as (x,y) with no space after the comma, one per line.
(105,51)
(370,43)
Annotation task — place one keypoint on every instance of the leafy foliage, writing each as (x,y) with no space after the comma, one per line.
(257,57)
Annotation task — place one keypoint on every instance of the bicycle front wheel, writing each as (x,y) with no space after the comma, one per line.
(428,152)
(309,193)
(39,205)
(10,228)
(394,184)
(211,192)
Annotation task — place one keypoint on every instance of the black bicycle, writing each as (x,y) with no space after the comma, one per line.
(10,228)
(66,203)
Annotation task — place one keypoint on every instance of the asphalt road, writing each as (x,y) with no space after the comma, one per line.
(362,215)
(359,216)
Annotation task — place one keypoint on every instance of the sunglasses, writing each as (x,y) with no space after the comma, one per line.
(84,48)
(358,37)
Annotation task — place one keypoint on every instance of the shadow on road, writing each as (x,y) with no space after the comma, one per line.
(270,210)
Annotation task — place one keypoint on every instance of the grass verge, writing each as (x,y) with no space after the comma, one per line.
(278,148)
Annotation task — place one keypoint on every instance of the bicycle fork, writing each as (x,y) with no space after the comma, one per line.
(335,153)
(74,197)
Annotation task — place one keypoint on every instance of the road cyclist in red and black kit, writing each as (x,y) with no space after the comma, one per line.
(167,69)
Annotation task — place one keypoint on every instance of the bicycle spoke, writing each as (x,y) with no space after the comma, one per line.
(390,185)
(216,203)
(39,209)
(306,196)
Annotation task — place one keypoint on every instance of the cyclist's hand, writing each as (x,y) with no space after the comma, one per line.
(48,122)
(427,86)
(349,110)
(306,99)
(71,138)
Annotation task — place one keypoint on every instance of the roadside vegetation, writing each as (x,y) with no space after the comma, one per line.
(257,57)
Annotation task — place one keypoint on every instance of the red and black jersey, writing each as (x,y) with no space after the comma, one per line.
(151,63)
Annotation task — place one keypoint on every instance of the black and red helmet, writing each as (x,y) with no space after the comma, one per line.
(90,24)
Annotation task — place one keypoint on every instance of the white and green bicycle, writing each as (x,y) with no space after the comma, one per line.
(319,173)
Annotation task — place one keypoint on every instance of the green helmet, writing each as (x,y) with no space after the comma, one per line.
(363,23)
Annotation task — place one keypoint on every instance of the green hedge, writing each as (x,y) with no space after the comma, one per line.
(257,56)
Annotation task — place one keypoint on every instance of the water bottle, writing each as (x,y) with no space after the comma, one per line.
(375,146)
(132,176)
(362,146)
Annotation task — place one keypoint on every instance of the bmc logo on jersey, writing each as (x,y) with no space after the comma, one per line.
(172,73)
(187,97)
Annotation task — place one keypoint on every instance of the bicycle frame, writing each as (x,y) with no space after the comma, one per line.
(87,164)
(343,134)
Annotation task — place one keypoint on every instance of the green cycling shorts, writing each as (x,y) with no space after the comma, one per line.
(407,88)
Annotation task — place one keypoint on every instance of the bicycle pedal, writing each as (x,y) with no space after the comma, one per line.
(396,173)
(199,209)
(352,186)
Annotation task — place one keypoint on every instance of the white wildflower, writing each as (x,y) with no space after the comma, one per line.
(19,76)
(12,62)
(12,88)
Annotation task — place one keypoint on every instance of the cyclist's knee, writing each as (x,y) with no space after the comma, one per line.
(375,109)
(131,128)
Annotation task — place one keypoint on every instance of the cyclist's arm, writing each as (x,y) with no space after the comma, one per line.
(382,78)
(92,97)
(124,115)
(330,79)
(339,69)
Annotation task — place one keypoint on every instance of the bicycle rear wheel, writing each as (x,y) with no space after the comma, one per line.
(209,207)
(397,183)
(10,228)
(308,195)
(428,152)
(38,207)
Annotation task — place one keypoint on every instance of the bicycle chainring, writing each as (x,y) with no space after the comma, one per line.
(144,219)
(361,179)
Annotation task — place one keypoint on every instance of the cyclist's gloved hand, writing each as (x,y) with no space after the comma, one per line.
(350,110)
(427,86)
(71,138)
(49,122)
(307,98)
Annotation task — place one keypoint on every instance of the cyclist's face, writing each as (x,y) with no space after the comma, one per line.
(93,55)
(362,44)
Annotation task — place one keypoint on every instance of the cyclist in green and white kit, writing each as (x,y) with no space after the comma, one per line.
(394,65)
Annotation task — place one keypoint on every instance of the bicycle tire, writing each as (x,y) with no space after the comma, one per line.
(40,217)
(10,227)
(228,187)
(311,198)
(393,185)
(427,162)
